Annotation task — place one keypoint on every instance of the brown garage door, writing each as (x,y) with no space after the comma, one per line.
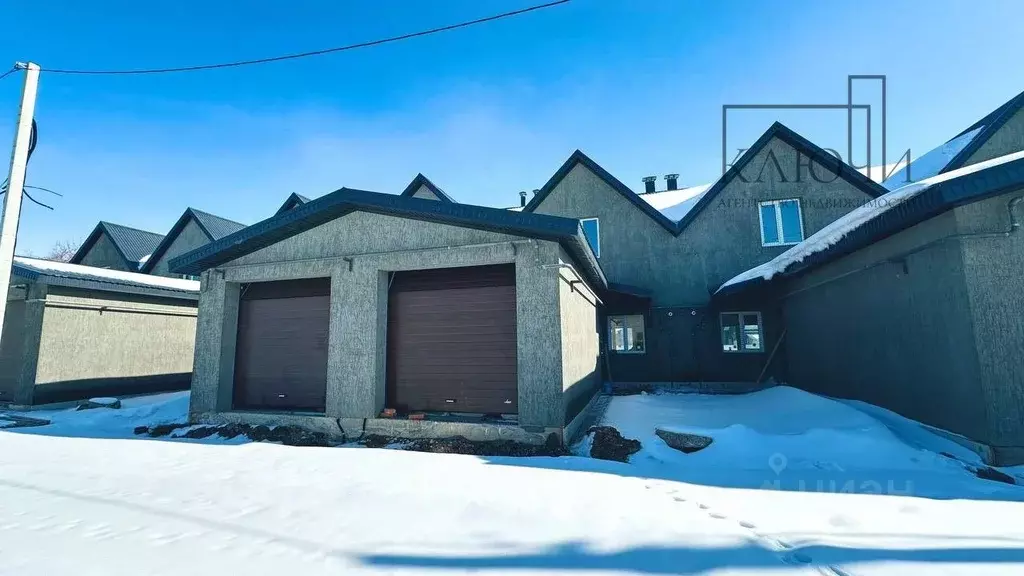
(452,340)
(281,351)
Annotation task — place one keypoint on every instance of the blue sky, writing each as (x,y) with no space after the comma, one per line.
(484,112)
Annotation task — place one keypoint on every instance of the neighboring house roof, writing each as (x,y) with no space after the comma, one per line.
(421,180)
(90,278)
(566,231)
(131,244)
(896,211)
(955,152)
(689,211)
(292,201)
(214,227)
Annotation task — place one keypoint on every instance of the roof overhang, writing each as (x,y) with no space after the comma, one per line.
(566,231)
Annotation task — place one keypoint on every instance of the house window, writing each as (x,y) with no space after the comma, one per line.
(592,230)
(626,334)
(742,332)
(189,277)
(781,222)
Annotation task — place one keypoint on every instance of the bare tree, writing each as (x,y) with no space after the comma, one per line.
(62,251)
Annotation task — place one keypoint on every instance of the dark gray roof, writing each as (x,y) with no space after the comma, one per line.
(805,146)
(292,201)
(131,243)
(421,180)
(565,231)
(214,227)
(992,122)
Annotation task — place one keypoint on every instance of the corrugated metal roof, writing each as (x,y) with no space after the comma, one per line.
(135,244)
(216,226)
(131,244)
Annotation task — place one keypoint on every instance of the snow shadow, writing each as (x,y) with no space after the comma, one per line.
(692,560)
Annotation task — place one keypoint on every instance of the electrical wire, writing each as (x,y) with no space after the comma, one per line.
(314,52)
(9,72)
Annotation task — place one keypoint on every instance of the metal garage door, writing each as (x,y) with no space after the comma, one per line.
(452,340)
(281,351)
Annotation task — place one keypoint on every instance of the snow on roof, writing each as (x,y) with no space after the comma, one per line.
(932,162)
(834,232)
(675,204)
(77,271)
(878,173)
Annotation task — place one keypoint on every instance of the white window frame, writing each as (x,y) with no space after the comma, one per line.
(596,220)
(739,335)
(611,337)
(777,205)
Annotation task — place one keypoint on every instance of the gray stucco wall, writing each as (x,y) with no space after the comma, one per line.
(580,341)
(1008,139)
(891,325)
(994,273)
(424,193)
(89,336)
(683,335)
(357,251)
(103,254)
(190,238)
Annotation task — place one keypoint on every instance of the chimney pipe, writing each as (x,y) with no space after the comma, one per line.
(535,190)
(673,181)
(522,199)
(649,184)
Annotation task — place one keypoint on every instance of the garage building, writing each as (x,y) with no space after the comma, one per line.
(482,320)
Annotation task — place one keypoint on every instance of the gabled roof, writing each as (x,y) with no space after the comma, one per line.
(421,180)
(578,157)
(565,231)
(292,201)
(131,244)
(955,152)
(992,122)
(214,227)
(892,213)
(91,278)
(801,144)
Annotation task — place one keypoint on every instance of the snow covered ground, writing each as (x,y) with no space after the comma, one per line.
(84,496)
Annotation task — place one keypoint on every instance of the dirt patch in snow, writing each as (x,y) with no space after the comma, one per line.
(609,444)
(462,445)
(288,435)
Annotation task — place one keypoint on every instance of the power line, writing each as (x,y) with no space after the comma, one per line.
(9,72)
(313,53)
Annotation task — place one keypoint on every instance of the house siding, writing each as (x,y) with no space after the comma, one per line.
(357,251)
(103,254)
(190,238)
(682,272)
(891,324)
(993,268)
(1007,140)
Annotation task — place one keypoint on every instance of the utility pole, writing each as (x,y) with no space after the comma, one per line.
(16,183)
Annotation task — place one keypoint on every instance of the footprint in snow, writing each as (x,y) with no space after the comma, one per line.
(717,516)
(748,525)
(679,499)
(702,506)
